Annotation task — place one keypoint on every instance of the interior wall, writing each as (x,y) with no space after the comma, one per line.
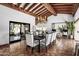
(76,31)
(59,19)
(76,16)
(8,14)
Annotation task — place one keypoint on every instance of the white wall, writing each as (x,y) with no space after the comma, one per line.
(8,14)
(76,32)
(59,18)
(76,16)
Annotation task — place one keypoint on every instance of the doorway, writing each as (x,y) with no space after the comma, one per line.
(17,37)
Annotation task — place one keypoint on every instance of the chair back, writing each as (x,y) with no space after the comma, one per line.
(29,39)
(54,35)
(48,38)
(64,33)
(52,39)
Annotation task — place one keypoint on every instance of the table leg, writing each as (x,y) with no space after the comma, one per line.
(39,46)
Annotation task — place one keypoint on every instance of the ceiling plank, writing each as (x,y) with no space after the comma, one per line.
(64,12)
(50,8)
(70,7)
(59,4)
(64,9)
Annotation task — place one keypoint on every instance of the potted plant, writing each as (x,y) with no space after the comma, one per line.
(70,27)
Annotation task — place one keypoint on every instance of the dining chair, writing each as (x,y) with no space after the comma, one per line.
(77,48)
(47,40)
(54,34)
(30,41)
(52,39)
(65,35)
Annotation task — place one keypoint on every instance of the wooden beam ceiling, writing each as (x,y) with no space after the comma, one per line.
(42,12)
(39,9)
(31,6)
(24,5)
(46,13)
(15,8)
(50,8)
(44,9)
(38,5)
(65,8)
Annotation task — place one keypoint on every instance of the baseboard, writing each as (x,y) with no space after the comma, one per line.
(4,45)
(14,41)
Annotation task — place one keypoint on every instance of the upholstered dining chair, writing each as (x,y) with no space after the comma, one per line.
(30,41)
(47,40)
(76,47)
(54,34)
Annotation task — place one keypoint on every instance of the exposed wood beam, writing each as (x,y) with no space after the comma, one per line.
(31,6)
(18,4)
(46,13)
(24,5)
(37,6)
(18,9)
(42,12)
(15,3)
(39,9)
(75,8)
(77,20)
(50,8)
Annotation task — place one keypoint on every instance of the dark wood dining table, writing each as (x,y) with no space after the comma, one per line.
(39,37)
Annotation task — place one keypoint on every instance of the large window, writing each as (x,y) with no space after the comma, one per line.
(17,30)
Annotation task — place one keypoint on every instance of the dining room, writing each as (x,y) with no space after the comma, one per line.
(39,29)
